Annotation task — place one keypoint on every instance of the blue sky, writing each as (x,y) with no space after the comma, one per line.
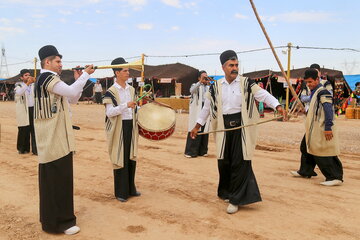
(88,31)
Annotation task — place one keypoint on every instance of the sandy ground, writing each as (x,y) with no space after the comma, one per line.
(178,194)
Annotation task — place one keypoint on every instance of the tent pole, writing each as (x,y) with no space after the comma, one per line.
(288,76)
(274,53)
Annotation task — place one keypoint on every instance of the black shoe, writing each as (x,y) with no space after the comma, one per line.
(136,194)
(121,199)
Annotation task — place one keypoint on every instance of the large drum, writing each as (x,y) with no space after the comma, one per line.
(156,122)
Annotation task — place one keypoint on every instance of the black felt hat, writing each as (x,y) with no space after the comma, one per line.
(311,73)
(316,66)
(23,71)
(117,61)
(47,51)
(228,55)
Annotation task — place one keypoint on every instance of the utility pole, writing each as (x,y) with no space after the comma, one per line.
(3,73)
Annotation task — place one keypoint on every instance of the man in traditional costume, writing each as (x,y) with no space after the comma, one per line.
(24,99)
(321,145)
(199,145)
(122,132)
(306,98)
(231,103)
(55,141)
(97,91)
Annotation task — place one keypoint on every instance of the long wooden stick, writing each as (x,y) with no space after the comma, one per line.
(275,55)
(236,128)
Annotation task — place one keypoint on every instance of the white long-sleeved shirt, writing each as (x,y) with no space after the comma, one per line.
(125,97)
(73,91)
(198,85)
(97,87)
(25,89)
(231,100)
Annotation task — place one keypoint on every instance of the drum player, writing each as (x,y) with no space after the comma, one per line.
(122,132)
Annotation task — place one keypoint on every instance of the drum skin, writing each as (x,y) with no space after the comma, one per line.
(156,122)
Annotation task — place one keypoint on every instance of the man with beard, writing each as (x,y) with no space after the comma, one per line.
(231,103)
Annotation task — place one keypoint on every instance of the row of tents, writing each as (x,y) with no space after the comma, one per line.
(176,79)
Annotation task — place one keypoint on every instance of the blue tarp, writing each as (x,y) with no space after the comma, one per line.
(352,79)
(216,77)
(93,79)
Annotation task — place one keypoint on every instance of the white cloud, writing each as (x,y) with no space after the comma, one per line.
(99,12)
(124,14)
(172,3)
(296,16)
(11,30)
(38,15)
(136,2)
(190,4)
(6,32)
(5,21)
(145,26)
(20,20)
(175,28)
(65,12)
(240,16)
(63,20)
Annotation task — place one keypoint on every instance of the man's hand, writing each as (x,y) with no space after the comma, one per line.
(30,80)
(89,69)
(282,111)
(204,81)
(328,135)
(131,104)
(77,73)
(194,131)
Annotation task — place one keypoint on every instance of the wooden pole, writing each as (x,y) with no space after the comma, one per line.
(142,75)
(236,128)
(288,76)
(275,55)
(35,62)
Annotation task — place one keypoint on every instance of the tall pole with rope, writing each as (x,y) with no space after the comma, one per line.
(288,76)
(142,75)
(275,55)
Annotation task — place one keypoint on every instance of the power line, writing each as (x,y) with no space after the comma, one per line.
(105,60)
(19,63)
(324,48)
(211,54)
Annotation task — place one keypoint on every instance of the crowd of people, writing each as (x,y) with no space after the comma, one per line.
(44,120)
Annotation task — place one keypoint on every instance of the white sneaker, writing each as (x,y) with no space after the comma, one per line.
(335,182)
(232,208)
(73,230)
(205,155)
(295,174)
(188,156)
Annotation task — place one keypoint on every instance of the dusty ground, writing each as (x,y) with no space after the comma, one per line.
(178,194)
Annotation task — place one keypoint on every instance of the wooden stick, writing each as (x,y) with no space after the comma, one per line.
(275,55)
(236,128)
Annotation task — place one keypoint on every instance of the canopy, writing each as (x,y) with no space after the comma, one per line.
(352,79)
